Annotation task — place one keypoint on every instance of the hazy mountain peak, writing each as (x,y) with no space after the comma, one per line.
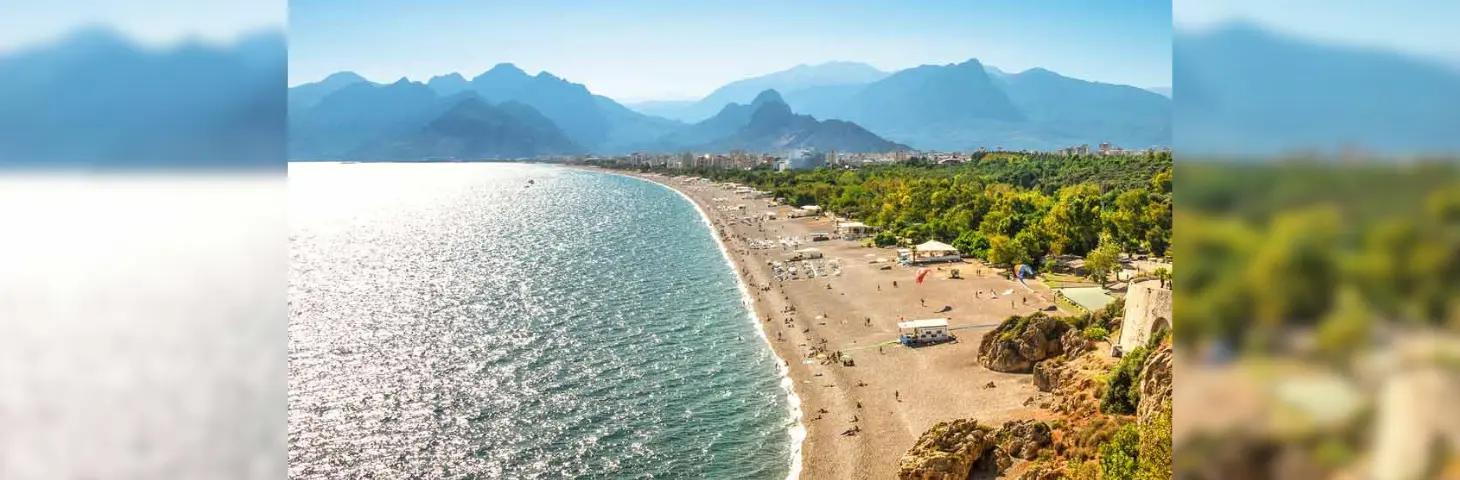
(971,63)
(769,95)
(343,78)
(506,67)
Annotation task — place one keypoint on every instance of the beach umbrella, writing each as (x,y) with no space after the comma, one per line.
(922,273)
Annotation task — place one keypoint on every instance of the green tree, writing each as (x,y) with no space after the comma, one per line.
(1073,223)
(1346,328)
(1004,251)
(1103,261)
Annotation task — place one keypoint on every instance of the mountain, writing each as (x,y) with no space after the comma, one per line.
(731,119)
(1247,91)
(341,122)
(450,84)
(800,77)
(409,120)
(1068,111)
(95,99)
(1162,91)
(473,129)
(309,94)
(968,105)
(773,128)
(592,121)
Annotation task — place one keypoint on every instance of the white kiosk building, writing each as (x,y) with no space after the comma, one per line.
(923,331)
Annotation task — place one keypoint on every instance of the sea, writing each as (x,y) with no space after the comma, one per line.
(491,320)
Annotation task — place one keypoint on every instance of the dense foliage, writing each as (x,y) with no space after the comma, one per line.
(1119,457)
(1122,389)
(1005,208)
(1328,248)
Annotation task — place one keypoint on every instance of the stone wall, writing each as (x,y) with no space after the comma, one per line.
(1146,303)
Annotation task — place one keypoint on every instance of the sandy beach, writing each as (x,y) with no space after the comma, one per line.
(892,393)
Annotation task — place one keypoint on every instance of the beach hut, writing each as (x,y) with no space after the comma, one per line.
(851,230)
(923,331)
(935,251)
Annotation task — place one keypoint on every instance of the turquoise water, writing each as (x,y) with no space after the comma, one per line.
(449,320)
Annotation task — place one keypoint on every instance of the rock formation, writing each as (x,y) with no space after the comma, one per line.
(1024,438)
(953,451)
(1155,383)
(964,449)
(1074,343)
(1019,342)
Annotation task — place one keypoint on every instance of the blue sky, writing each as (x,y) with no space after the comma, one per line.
(1423,28)
(153,22)
(635,50)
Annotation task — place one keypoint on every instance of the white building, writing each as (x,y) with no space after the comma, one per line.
(850,230)
(923,331)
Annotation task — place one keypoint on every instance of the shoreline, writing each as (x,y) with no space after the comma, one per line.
(797,429)
(891,395)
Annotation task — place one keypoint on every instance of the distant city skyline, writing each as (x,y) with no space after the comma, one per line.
(645,50)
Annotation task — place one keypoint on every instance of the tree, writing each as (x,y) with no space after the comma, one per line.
(1102,261)
(1164,275)
(1004,251)
(972,243)
(1127,223)
(1073,222)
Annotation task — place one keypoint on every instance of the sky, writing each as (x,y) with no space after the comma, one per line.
(149,22)
(636,50)
(1421,28)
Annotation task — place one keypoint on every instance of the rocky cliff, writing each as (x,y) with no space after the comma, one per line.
(1019,342)
(1155,383)
(964,449)
(950,451)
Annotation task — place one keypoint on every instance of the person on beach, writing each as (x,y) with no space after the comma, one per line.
(897,395)
(924,301)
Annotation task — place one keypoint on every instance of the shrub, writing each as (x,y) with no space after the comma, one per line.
(884,239)
(1121,392)
(1085,471)
(1119,458)
(1096,332)
(1155,452)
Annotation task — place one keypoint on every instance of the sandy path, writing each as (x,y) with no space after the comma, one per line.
(906,390)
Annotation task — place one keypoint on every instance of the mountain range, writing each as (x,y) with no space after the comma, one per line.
(1247,91)
(791,81)
(940,107)
(506,113)
(967,105)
